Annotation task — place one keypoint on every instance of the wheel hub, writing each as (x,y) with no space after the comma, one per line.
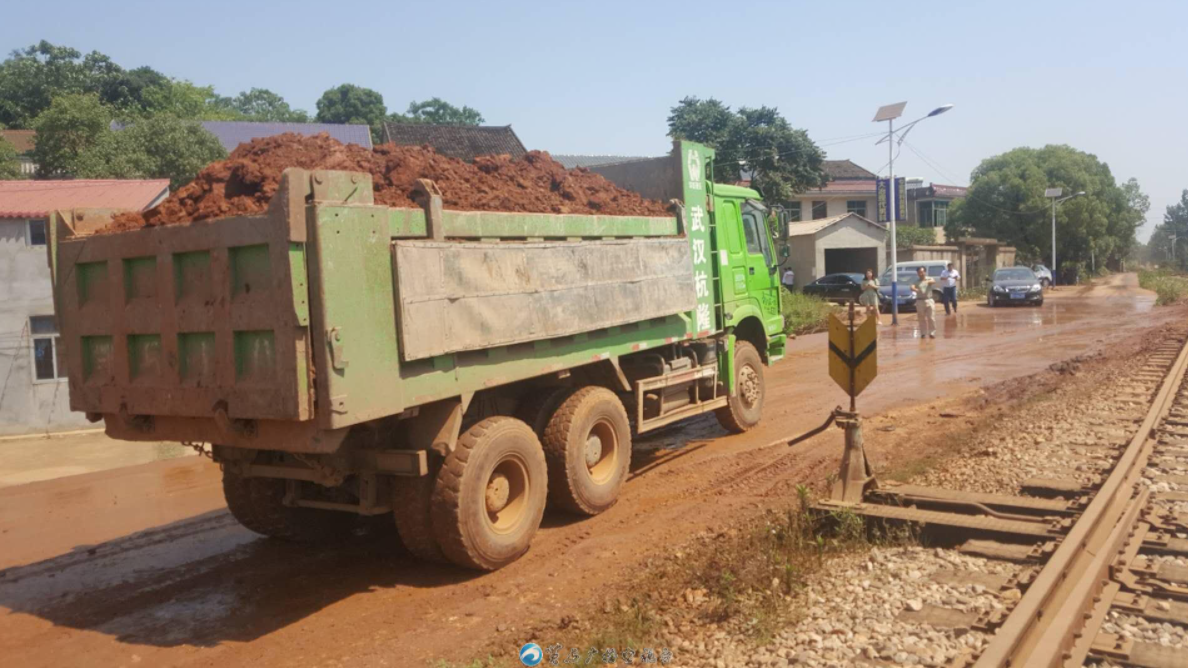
(498,492)
(748,382)
(593,451)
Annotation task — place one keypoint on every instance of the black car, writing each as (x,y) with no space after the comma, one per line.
(839,288)
(1015,285)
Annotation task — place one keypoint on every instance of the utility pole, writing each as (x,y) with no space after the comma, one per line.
(1054,195)
(889,113)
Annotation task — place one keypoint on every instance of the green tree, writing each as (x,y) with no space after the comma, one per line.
(10,164)
(71,125)
(32,77)
(780,160)
(349,103)
(261,104)
(910,235)
(437,111)
(1173,230)
(1006,200)
(160,147)
(125,90)
(183,99)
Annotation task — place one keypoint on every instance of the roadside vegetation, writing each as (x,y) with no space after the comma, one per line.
(1169,286)
(803,314)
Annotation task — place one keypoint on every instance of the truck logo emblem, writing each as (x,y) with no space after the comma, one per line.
(694,165)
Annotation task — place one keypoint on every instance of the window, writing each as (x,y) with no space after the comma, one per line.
(757,243)
(933,213)
(940,214)
(857,206)
(819,210)
(36,235)
(47,350)
(794,215)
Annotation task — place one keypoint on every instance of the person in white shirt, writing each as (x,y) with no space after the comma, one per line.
(949,278)
(788,279)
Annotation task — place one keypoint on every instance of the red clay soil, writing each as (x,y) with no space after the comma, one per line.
(245,182)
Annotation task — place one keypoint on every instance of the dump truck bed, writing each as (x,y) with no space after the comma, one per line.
(329,311)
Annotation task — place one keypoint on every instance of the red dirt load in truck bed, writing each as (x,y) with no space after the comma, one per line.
(245,182)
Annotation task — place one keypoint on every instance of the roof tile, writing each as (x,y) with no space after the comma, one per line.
(21,140)
(464,142)
(233,133)
(35,199)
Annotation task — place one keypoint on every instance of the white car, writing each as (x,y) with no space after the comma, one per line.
(1043,274)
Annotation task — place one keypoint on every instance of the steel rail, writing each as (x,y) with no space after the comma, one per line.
(1041,629)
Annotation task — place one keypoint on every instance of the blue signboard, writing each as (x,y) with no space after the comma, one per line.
(882,196)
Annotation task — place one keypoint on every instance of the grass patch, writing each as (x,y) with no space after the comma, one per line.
(803,314)
(1169,287)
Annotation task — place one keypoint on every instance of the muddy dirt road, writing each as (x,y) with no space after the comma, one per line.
(143,565)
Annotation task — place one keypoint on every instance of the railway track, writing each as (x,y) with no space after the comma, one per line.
(1101,544)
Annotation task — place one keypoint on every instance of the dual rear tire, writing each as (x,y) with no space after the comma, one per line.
(485,503)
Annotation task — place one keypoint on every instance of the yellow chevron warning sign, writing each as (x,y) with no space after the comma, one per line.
(853,353)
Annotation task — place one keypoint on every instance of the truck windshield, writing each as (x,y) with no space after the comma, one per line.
(757,241)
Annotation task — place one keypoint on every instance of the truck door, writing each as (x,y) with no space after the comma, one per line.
(760,261)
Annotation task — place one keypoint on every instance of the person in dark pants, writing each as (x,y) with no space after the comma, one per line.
(948,281)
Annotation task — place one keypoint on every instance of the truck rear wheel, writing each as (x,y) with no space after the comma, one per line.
(537,408)
(258,504)
(490,495)
(744,409)
(411,504)
(587,445)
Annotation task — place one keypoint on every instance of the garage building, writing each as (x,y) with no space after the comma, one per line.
(843,243)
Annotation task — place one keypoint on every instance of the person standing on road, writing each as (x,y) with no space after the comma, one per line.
(925,305)
(788,279)
(949,278)
(870,295)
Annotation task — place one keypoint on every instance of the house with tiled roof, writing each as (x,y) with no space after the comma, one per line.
(35,396)
(464,142)
(851,189)
(22,141)
(233,133)
(928,205)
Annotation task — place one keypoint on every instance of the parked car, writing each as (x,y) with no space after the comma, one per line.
(839,288)
(1043,274)
(1015,285)
(905,278)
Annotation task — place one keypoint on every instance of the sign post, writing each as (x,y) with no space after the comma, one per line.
(853,364)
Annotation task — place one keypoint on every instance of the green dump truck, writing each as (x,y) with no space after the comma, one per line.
(452,369)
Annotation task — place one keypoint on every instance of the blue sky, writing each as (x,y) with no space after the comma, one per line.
(599,77)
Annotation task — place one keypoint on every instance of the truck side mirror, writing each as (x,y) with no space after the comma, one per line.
(785,252)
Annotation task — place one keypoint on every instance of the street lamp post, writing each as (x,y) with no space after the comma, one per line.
(1054,195)
(889,113)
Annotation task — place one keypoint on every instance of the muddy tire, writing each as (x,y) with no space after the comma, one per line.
(258,504)
(587,445)
(745,408)
(412,500)
(490,494)
(536,408)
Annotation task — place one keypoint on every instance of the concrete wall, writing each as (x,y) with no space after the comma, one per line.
(26,406)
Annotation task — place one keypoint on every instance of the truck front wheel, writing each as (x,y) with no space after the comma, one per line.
(258,504)
(587,445)
(745,407)
(490,495)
